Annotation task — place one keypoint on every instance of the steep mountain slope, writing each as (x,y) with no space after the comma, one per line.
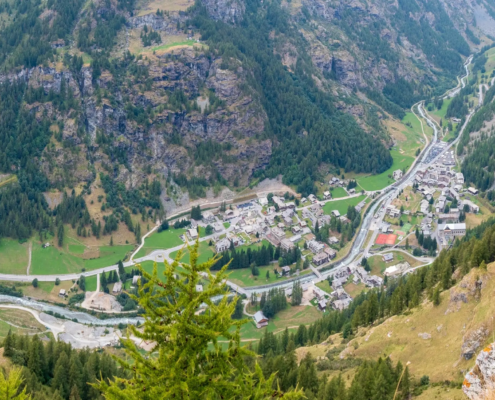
(440,342)
(113,94)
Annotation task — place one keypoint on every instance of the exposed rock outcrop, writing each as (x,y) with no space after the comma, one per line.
(230,11)
(479,383)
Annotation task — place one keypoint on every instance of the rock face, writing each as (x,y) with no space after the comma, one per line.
(230,11)
(479,383)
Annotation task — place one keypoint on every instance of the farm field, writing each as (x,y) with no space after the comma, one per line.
(380,181)
(14,256)
(205,253)
(342,205)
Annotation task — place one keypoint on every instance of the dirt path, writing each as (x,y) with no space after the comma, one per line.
(85,304)
(29,257)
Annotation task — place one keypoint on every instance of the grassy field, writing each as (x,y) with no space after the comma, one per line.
(163,240)
(290,318)
(323,285)
(168,46)
(354,289)
(53,260)
(24,322)
(342,205)
(339,192)
(244,278)
(205,253)
(380,181)
(91,283)
(13,256)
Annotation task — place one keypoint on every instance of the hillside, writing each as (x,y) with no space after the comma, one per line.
(441,342)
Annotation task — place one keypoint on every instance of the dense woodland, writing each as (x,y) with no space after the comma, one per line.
(54,370)
(292,101)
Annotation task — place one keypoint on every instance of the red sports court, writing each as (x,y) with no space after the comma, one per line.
(389,240)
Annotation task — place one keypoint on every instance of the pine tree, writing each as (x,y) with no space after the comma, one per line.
(60,234)
(74,394)
(60,379)
(192,364)
(11,384)
(122,272)
(82,283)
(8,345)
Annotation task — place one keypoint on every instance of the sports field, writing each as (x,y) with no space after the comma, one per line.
(384,239)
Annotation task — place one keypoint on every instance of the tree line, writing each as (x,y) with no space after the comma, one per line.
(54,370)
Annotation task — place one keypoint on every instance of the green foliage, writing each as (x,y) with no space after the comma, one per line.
(242,258)
(479,165)
(11,385)
(35,282)
(297,294)
(191,362)
(292,101)
(53,368)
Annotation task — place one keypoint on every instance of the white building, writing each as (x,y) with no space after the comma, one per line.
(397,174)
(315,246)
(208,217)
(222,245)
(451,231)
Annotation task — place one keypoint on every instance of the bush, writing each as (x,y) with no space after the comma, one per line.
(57,281)
(35,282)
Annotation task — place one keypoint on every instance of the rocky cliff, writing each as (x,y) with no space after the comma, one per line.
(479,383)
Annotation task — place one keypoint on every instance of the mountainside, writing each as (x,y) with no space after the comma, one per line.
(114,94)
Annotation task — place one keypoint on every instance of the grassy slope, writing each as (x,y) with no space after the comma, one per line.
(163,240)
(342,205)
(380,181)
(438,357)
(13,256)
(54,260)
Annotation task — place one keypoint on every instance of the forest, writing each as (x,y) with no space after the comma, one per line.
(53,370)
(292,101)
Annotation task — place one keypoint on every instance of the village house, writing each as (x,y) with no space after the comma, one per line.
(315,246)
(319,294)
(392,211)
(117,287)
(330,252)
(192,234)
(473,208)
(324,220)
(260,320)
(312,198)
(341,305)
(230,214)
(336,213)
(278,233)
(286,245)
(351,191)
(199,288)
(208,217)
(135,279)
(451,231)
(333,240)
(362,274)
(222,245)
(322,305)
(62,293)
(320,258)
(285,271)
(473,190)
(327,195)
(388,257)
(295,238)
(374,281)
(398,269)
(337,283)
(217,227)
(263,201)
(397,174)
(303,224)
(296,229)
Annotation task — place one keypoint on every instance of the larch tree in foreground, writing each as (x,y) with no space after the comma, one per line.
(188,360)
